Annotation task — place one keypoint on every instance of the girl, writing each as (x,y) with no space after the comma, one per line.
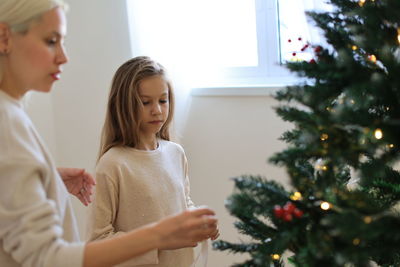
(37,225)
(141,175)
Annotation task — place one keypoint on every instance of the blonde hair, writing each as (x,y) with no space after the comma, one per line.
(18,14)
(122,122)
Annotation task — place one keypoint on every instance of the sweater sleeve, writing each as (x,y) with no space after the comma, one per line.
(189,201)
(103,214)
(30,227)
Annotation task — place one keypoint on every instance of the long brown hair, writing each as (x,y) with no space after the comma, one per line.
(122,123)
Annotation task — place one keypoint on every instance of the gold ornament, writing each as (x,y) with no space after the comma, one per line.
(356,241)
(296,196)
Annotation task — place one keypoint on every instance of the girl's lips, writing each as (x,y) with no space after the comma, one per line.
(56,76)
(156,122)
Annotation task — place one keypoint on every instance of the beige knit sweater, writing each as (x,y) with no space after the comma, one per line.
(37,225)
(137,187)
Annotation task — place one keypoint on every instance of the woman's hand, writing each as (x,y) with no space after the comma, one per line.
(186,229)
(78,182)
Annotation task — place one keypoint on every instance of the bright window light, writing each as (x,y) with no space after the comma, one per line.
(222,42)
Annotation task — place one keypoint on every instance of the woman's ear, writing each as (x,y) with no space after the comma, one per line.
(5,38)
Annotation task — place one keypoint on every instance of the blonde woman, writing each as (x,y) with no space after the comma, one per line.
(37,224)
(141,175)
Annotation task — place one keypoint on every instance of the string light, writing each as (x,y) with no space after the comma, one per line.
(275,257)
(354,47)
(325,205)
(372,58)
(398,35)
(367,219)
(391,146)
(378,134)
(296,196)
(361,3)
(324,137)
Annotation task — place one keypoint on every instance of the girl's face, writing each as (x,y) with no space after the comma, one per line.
(153,92)
(35,58)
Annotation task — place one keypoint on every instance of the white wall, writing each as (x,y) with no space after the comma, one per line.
(223,137)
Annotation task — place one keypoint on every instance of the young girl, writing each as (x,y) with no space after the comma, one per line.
(141,176)
(37,224)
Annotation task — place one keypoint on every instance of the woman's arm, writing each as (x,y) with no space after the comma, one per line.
(183,230)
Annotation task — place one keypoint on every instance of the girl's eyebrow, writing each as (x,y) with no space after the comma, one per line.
(164,94)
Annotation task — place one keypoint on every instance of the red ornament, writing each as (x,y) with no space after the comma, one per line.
(278,211)
(294,54)
(287,212)
(290,40)
(287,217)
(297,213)
(289,207)
(312,61)
(299,39)
(318,49)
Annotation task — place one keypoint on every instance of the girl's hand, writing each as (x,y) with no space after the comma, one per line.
(78,182)
(186,229)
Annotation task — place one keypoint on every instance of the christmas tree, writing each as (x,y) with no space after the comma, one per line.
(341,209)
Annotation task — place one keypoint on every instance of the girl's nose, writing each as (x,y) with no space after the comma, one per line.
(156,109)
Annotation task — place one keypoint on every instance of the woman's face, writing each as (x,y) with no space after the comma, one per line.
(35,58)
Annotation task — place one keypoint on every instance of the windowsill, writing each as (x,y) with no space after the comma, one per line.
(237,91)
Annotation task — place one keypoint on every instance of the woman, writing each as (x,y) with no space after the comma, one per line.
(37,226)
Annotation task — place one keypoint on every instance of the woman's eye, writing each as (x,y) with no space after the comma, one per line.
(51,42)
(145,103)
(163,101)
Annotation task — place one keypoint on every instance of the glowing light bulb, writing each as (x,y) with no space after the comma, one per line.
(398,35)
(367,219)
(361,2)
(325,205)
(354,47)
(275,257)
(324,137)
(372,58)
(378,134)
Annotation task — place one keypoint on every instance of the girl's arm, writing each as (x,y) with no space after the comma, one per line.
(103,210)
(183,230)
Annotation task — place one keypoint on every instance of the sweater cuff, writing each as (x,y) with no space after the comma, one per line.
(72,255)
(150,257)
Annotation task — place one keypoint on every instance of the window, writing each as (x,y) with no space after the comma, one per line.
(218,42)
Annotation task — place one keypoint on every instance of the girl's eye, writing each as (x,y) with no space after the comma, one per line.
(163,101)
(145,103)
